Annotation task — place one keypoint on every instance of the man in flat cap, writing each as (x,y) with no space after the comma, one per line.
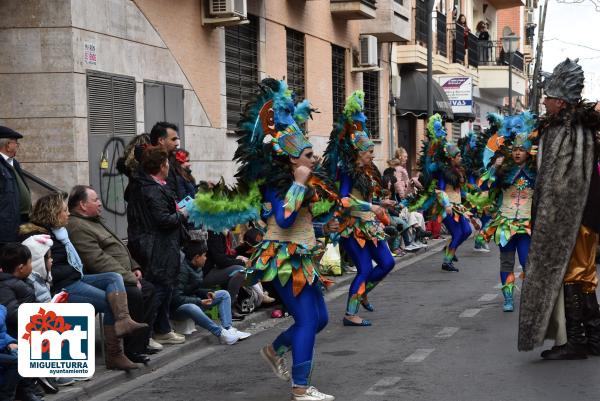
(15,197)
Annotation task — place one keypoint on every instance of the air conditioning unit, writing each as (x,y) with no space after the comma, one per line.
(228,8)
(368,51)
(530,17)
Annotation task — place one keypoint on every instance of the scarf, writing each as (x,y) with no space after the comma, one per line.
(72,256)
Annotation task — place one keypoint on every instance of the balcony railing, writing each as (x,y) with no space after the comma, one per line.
(442,34)
(421,22)
(472,45)
(491,53)
(459,44)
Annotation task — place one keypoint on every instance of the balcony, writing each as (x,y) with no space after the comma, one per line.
(392,23)
(493,70)
(442,34)
(353,9)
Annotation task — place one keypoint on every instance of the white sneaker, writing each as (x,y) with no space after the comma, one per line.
(242,335)
(169,338)
(178,335)
(277,364)
(312,394)
(483,248)
(153,345)
(411,247)
(267,299)
(419,244)
(228,337)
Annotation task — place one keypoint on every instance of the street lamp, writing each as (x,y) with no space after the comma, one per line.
(509,45)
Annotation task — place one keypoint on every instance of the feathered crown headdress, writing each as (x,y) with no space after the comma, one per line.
(566,81)
(356,119)
(515,131)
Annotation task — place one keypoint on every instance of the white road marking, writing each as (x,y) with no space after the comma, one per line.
(419,355)
(447,332)
(379,387)
(488,297)
(469,312)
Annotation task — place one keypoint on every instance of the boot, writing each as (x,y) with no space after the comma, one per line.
(508,283)
(592,322)
(115,358)
(124,324)
(576,346)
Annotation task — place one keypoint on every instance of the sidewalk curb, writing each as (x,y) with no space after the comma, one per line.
(106,380)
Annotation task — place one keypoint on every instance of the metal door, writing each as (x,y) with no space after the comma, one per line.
(163,102)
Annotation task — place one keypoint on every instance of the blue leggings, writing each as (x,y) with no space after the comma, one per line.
(460,230)
(520,244)
(310,317)
(367,276)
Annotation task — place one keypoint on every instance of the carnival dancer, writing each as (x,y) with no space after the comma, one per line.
(445,179)
(510,179)
(349,157)
(566,199)
(279,176)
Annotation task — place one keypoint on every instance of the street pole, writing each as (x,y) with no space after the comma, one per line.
(510,57)
(534,103)
(430,4)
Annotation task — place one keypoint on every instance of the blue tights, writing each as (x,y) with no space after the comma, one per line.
(310,317)
(520,244)
(367,276)
(460,231)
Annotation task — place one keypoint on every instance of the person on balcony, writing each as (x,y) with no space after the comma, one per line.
(485,45)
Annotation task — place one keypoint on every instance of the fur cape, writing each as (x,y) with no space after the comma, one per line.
(562,186)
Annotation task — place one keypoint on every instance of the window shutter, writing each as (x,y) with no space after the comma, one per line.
(111,104)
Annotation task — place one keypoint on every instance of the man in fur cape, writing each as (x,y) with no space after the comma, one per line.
(566,223)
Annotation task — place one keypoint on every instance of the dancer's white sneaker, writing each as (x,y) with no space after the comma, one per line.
(277,363)
(312,394)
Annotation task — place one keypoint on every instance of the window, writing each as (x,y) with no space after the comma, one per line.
(371,89)
(241,67)
(295,62)
(338,79)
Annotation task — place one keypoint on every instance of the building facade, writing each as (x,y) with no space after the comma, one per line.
(81,78)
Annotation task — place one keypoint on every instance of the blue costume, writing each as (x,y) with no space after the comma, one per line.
(361,230)
(272,137)
(511,192)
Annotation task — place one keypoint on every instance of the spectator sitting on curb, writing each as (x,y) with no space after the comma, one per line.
(189,299)
(11,383)
(41,263)
(105,291)
(223,269)
(101,251)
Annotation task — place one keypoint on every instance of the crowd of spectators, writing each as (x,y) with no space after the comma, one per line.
(166,271)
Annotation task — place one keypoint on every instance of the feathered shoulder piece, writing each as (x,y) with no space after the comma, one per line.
(348,137)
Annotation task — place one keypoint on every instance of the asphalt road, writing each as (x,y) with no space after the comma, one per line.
(436,336)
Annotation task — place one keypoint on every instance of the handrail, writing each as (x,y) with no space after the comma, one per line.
(44,184)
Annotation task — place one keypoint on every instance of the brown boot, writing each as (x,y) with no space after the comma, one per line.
(115,358)
(124,324)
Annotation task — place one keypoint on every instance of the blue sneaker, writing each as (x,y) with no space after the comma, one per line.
(508,303)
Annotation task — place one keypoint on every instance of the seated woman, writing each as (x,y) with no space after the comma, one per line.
(105,291)
(223,269)
(189,299)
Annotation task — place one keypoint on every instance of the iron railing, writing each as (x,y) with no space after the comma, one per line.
(491,53)
(421,22)
(459,44)
(472,46)
(442,34)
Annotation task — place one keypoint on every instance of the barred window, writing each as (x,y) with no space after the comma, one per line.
(241,67)
(295,62)
(371,89)
(338,79)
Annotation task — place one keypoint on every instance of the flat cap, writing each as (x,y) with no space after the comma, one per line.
(6,132)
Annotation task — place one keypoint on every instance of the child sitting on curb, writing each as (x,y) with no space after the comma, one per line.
(189,299)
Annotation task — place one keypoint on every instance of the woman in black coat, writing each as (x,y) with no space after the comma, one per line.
(159,234)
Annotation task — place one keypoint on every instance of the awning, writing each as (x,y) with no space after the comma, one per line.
(413,96)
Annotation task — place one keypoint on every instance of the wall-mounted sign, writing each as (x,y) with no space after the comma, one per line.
(89,52)
(460,93)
